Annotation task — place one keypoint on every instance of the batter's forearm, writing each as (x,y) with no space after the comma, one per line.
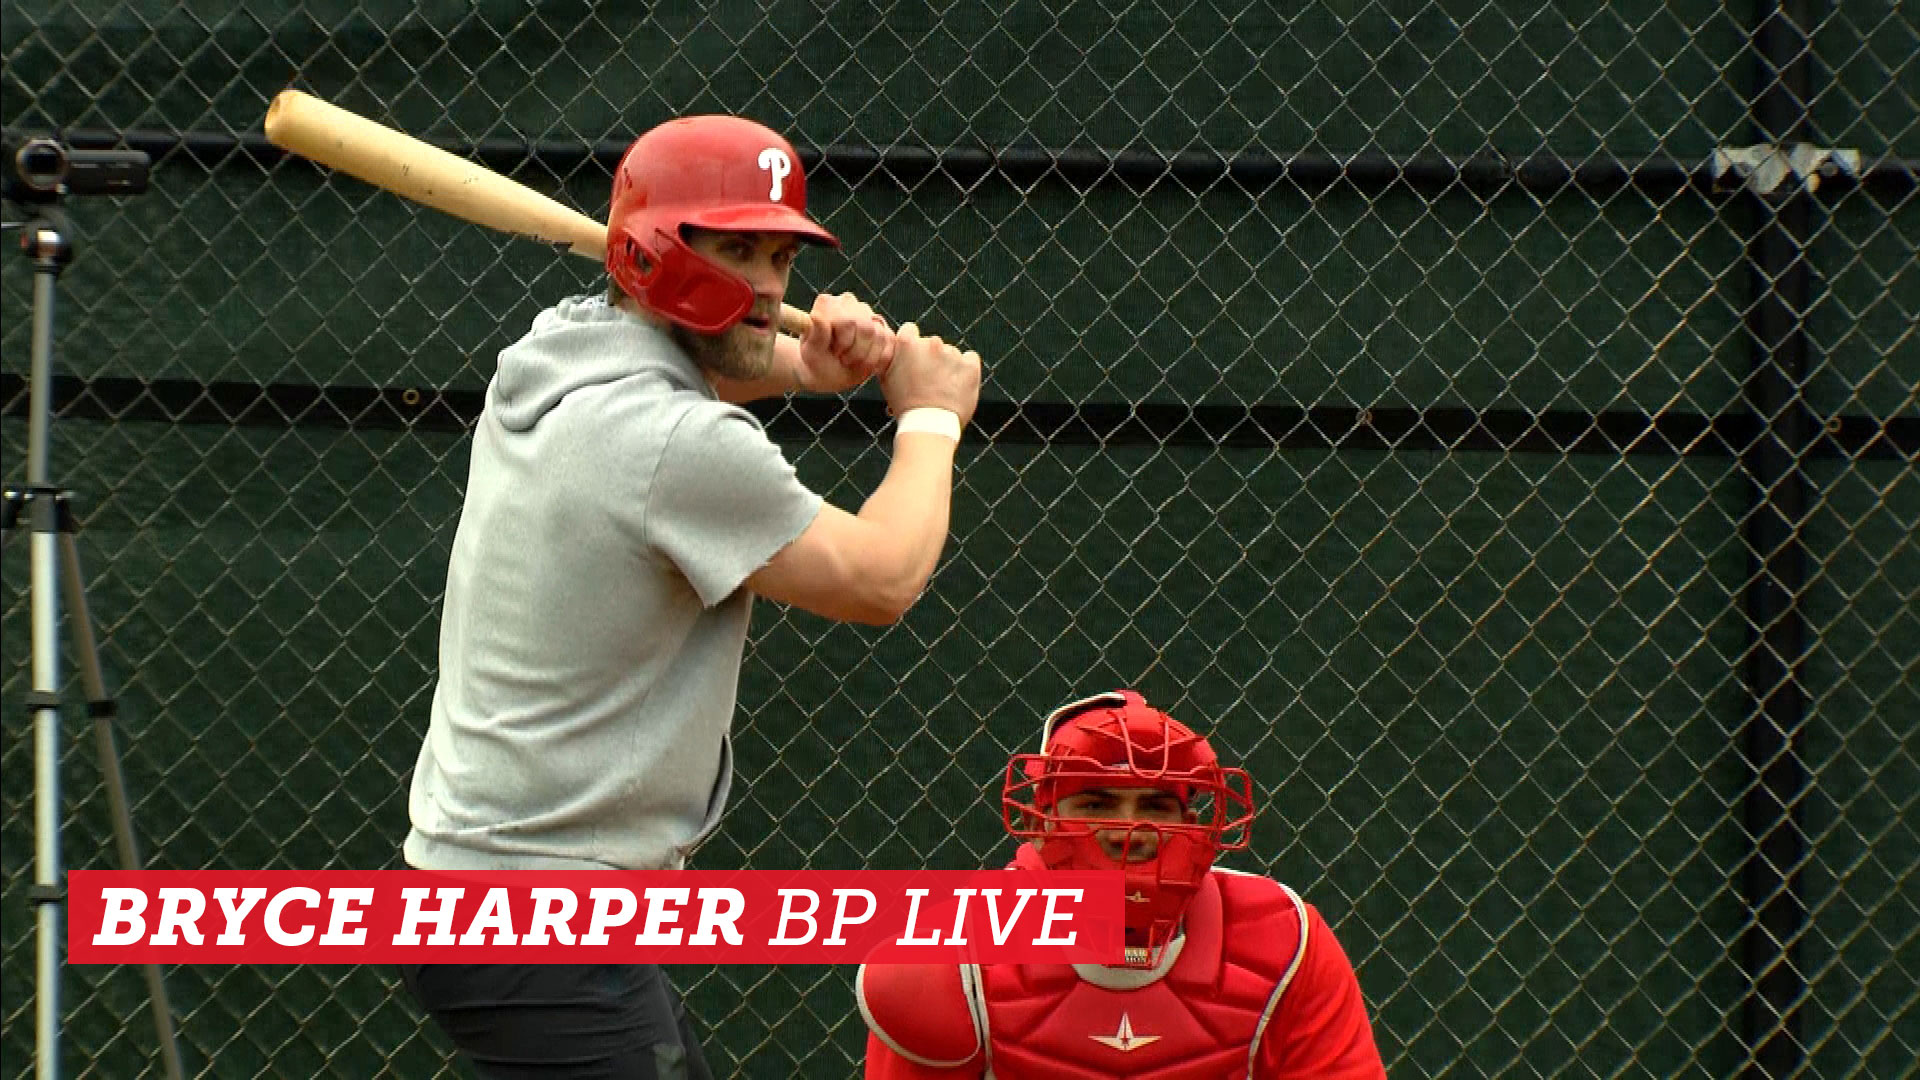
(912,507)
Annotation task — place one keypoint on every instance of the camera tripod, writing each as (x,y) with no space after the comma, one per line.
(55,568)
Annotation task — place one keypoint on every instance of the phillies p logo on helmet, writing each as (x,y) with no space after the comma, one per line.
(775,161)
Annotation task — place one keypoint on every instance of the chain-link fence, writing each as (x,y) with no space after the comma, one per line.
(1452,404)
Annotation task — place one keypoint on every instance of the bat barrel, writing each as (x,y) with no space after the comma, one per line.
(423,173)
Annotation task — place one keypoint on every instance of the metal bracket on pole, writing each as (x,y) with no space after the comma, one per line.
(1774,171)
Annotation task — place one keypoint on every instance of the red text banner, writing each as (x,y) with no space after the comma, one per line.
(656,917)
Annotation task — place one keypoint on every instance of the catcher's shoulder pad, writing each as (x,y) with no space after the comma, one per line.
(929,1014)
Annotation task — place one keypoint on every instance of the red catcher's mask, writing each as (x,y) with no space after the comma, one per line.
(1114,741)
(715,172)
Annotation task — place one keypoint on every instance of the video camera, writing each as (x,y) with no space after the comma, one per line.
(42,169)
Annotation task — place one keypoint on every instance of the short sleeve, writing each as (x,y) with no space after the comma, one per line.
(1320,1031)
(724,500)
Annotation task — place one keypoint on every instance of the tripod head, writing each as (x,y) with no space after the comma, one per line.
(42,171)
(39,174)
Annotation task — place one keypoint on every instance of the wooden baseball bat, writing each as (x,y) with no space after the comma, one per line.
(419,171)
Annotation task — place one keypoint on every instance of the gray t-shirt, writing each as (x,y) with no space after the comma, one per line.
(594,620)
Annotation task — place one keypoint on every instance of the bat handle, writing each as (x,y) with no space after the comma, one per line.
(795,323)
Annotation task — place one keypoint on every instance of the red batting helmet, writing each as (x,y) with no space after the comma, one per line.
(1117,740)
(715,172)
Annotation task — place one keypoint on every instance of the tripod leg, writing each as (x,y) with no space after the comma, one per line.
(45,702)
(102,709)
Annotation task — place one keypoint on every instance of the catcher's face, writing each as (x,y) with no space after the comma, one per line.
(1152,806)
(765,260)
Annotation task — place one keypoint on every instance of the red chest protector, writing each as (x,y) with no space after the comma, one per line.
(1198,1016)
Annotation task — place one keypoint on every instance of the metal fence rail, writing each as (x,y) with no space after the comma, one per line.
(1499,422)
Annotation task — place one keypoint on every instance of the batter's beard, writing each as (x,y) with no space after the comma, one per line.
(734,353)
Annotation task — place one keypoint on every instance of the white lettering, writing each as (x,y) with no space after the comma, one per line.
(611,907)
(959,917)
(495,915)
(440,918)
(787,913)
(722,919)
(840,919)
(1051,916)
(552,910)
(347,905)
(225,897)
(1000,934)
(661,913)
(180,909)
(277,907)
(913,918)
(121,924)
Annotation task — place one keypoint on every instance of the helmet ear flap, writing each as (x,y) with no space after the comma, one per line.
(671,279)
(628,262)
(639,265)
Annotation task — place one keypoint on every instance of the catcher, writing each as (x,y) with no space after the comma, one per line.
(1226,974)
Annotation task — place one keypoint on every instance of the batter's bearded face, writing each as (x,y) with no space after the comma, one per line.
(1152,806)
(765,260)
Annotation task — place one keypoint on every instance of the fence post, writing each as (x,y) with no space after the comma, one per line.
(1777,574)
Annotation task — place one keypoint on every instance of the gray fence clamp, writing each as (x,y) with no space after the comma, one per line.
(1770,170)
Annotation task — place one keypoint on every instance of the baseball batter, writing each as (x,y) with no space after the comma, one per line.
(621,513)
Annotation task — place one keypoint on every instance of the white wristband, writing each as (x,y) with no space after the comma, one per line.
(932,421)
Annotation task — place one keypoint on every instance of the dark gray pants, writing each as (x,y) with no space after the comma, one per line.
(554,1021)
